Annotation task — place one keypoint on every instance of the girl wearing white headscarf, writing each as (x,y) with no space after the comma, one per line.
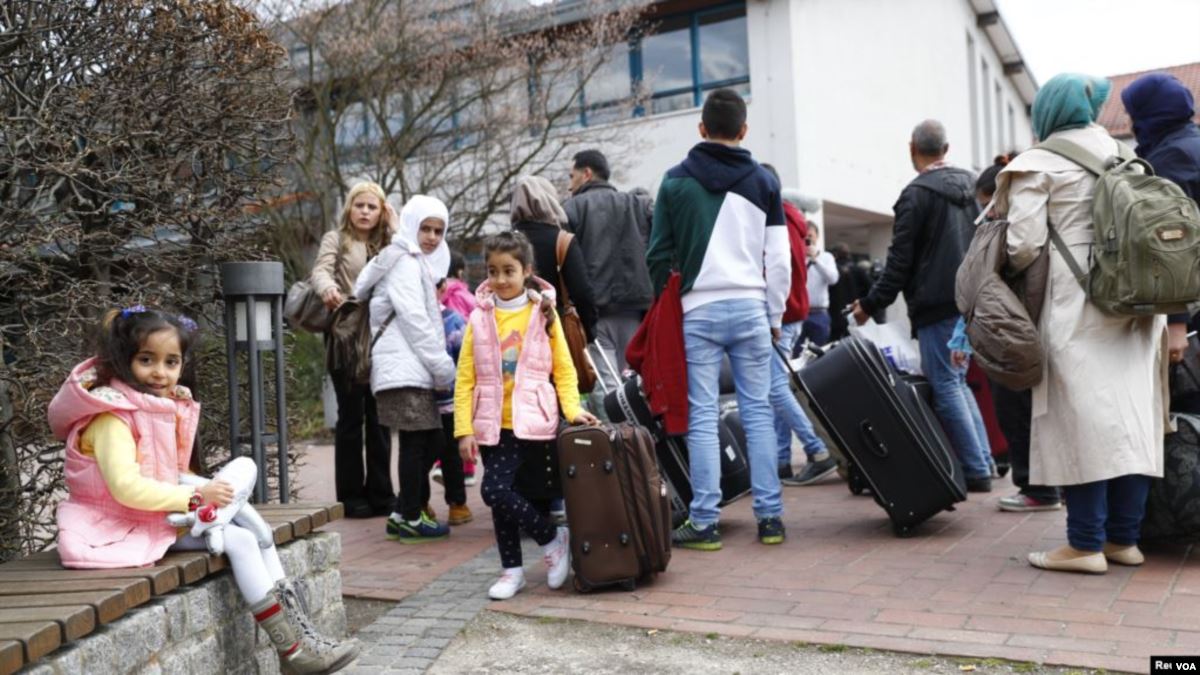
(408,357)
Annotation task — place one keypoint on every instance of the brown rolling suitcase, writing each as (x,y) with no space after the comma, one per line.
(617,506)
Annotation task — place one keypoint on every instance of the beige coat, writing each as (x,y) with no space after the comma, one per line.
(1099,410)
(354,258)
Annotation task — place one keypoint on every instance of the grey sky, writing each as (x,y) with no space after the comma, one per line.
(1103,37)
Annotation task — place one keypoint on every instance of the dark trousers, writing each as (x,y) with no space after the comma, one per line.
(1014,412)
(816,327)
(511,512)
(356,414)
(452,466)
(418,451)
(1106,511)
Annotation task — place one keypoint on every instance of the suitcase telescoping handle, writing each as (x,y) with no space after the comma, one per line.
(608,365)
(786,363)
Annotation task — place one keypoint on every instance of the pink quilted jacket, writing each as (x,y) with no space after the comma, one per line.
(535,401)
(94,530)
(458,297)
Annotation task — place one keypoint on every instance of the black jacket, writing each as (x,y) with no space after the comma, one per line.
(613,228)
(544,238)
(1176,157)
(934,224)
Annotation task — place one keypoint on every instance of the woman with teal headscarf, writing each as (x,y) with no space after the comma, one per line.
(1068,101)
(1098,414)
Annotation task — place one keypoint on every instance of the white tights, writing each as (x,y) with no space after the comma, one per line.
(256,570)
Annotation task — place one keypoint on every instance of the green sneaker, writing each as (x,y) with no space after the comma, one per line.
(770,530)
(424,531)
(688,535)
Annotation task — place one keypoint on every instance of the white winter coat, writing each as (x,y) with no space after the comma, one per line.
(412,350)
(1099,410)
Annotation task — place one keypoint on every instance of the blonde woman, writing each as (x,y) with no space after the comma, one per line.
(364,229)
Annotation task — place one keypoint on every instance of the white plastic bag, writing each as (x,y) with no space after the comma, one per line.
(897,347)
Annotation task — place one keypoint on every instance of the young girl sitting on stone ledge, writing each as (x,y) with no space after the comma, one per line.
(129,426)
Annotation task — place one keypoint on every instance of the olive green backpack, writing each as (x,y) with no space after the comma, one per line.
(1146,255)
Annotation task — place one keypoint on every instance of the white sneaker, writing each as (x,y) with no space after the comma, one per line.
(436,474)
(510,582)
(558,559)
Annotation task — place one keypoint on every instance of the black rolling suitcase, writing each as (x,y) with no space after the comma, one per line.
(629,403)
(887,430)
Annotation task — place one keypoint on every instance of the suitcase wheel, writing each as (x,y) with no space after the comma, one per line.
(571,471)
(629,585)
(581,585)
(855,481)
(903,531)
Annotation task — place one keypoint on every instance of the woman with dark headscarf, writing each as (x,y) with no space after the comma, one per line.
(1162,110)
(537,213)
(1098,413)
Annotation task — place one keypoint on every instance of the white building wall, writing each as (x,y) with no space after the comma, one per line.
(836,87)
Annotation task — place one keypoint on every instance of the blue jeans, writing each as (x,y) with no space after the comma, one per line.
(953,401)
(817,327)
(1106,510)
(740,329)
(789,416)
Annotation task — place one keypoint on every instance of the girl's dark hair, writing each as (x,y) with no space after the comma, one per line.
(457,263)
(513,243)
(121,335)
(986,183)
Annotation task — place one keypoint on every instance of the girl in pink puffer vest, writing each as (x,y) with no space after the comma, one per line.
(505,405)
(129,427)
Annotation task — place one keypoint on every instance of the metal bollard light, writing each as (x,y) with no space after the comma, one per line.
(254,294)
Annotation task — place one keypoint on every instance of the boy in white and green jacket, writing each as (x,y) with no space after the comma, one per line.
(719,220)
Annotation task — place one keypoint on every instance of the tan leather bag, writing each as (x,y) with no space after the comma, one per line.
(572,325)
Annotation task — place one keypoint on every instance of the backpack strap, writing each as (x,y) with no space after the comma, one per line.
(1082,156)
(1093,164)
(382,327)
(561,244)
(1076,271)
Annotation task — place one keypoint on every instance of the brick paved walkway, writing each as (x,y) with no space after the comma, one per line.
(961,587)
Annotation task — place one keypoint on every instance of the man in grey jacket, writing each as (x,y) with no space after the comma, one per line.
(613,228)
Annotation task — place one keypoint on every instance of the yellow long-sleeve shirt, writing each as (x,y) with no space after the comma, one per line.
(110,441)
(510,327)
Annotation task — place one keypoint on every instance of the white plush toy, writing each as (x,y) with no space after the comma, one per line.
(209,521)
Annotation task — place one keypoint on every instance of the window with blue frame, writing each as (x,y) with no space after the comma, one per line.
(678,60)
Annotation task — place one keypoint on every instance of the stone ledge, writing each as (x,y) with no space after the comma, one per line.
(206,628)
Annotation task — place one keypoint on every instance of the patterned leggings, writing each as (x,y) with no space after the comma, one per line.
(511,512)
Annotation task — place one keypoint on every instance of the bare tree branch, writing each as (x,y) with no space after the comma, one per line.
(133,138)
